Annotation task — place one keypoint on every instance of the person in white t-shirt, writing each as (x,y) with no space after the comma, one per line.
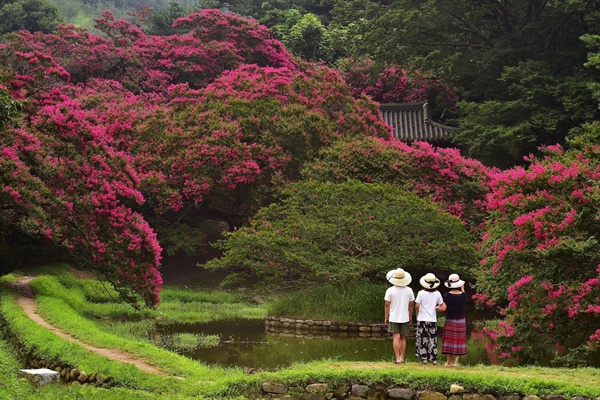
(399,306)
(429,301)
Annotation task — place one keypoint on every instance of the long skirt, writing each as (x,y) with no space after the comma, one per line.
(426,344)
(454,339)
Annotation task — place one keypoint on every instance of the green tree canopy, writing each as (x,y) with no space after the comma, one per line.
(309,39)
(518,65)
(30,15)
(322,233)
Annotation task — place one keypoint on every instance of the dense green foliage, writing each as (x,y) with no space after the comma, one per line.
(30,15)
(324,233)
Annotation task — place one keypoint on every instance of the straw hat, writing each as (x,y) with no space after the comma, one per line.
(399,277)
(454,282)
(429,281)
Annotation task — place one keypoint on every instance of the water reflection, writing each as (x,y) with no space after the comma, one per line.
(244,343)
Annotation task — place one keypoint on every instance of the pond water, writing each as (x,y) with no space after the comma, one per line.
(245,343)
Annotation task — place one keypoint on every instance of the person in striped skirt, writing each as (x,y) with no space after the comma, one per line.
(454,339)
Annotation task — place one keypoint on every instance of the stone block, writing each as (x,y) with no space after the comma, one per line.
(456,389)
(39,377)
(274,388)
(82,377)
(317,388)
(401,394)
(359,391)
(341,392)
(431,395)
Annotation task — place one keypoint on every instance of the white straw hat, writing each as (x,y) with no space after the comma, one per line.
(399,277)
(454,282)
(429,281)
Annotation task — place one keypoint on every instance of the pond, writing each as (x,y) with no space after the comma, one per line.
(245,343)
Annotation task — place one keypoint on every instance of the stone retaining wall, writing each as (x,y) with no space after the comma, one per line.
(324,328)
(382,391)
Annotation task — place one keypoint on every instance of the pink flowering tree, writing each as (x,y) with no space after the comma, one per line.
(458,184)
(542,256)
(199,139)
(65,181)
(210,43)
(396,84)
(232,145)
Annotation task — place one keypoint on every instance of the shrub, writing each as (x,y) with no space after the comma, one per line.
(324,233)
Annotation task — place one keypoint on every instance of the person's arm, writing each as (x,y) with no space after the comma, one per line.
(387,313)
(417,306)
(411,308)
(441,306)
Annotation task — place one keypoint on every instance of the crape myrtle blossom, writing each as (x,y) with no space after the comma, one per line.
(541,264)
(129,128)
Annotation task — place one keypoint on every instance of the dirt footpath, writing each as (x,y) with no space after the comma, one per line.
(26,300)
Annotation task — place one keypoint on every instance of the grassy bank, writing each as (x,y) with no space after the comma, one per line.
(84,310)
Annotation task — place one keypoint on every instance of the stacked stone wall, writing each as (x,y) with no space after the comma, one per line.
(313,328)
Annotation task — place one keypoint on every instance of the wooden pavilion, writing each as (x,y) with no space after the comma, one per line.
(411,121)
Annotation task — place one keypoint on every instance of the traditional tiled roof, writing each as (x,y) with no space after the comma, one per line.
(411,122)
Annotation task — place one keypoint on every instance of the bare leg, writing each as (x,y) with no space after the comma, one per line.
(456,360)
(402,347)
(448,360)
(396,345)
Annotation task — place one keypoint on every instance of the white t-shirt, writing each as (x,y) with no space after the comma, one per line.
(399,297)
(428,301)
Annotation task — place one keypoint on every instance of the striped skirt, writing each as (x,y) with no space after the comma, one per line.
(454,339)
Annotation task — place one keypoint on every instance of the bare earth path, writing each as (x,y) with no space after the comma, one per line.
(27,302)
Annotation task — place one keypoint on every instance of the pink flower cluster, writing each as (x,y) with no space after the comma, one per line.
(540,258)
(394,84)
